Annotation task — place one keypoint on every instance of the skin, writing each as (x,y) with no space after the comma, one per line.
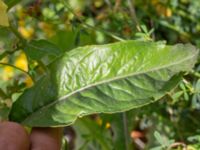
(46,138)
(14,137)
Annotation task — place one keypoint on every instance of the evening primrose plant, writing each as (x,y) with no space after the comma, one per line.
(98,83)
(59,64)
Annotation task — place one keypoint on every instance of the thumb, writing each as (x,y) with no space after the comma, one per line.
(46,138)
(13,137)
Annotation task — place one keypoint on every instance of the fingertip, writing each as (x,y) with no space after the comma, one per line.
(13,136)
(46,138)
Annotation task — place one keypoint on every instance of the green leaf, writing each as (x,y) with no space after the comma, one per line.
(2,55)
(157,148)
(37,49)
(163,141)
(64,39)
(120,140)
(3,14)
(103,79)
(176,96)
(159,138)
(197,86)
(4,112)
(88,127)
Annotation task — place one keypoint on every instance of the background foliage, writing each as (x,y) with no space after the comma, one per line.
(172,122)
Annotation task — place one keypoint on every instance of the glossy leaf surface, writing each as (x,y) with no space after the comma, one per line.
(103,79)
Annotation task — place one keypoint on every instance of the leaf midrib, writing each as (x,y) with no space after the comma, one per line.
(107,81)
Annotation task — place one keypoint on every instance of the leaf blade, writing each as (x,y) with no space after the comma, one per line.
(103,79)
(37,49)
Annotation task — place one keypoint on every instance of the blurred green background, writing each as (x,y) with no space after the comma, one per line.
(171,123)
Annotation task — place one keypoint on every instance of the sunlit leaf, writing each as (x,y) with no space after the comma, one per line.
(103,79)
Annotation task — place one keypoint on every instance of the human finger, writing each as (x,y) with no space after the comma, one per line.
(46,138)
(13,137)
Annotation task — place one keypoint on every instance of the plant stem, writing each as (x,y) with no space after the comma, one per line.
(108,3)
(117,5)
(197,74)
(2,94)
(133,14)
(17,34)
(5,64)
(177,144)
(105,32)
(5,53)
(126,137)
(152,27)
(92,27)
(43,66)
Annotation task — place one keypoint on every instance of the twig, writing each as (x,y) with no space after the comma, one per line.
(105,32)
(117,4)
(174,145)
(2,94)
(140,143)
(5,53)
(92,27)
(43,66)
(125,130)
(197,74)
(108,3)
(172,27)
(5,64)
(152,27)
(22,40)
(133,14)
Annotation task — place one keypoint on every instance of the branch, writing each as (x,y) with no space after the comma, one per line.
(108,3)
(5,64)
(17,34)
(2,94)
(125,130)
(92,27)
(174,145)
(133,14)
(117,4)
